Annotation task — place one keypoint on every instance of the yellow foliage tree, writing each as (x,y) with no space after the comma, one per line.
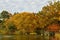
(24,21)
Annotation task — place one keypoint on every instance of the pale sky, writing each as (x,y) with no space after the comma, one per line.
(22,5)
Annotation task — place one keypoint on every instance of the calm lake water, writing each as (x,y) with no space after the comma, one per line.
(21,37)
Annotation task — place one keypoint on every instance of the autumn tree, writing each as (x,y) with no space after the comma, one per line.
(28,22)
(50,13)
(24,21)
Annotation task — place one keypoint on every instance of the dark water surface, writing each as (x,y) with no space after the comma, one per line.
(21,37)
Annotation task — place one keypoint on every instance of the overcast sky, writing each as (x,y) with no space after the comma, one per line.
(22,5)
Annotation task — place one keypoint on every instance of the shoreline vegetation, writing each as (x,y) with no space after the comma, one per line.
(46,20)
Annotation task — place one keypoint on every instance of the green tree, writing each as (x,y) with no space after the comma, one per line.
(5,14)
(11,28)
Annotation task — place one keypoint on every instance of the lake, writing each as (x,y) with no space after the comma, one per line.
(21,37)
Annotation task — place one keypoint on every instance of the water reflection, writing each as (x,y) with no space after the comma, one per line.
(22,37)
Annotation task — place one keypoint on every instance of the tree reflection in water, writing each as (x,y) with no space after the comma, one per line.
(21,37)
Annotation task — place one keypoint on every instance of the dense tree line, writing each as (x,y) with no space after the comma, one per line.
(27,22)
